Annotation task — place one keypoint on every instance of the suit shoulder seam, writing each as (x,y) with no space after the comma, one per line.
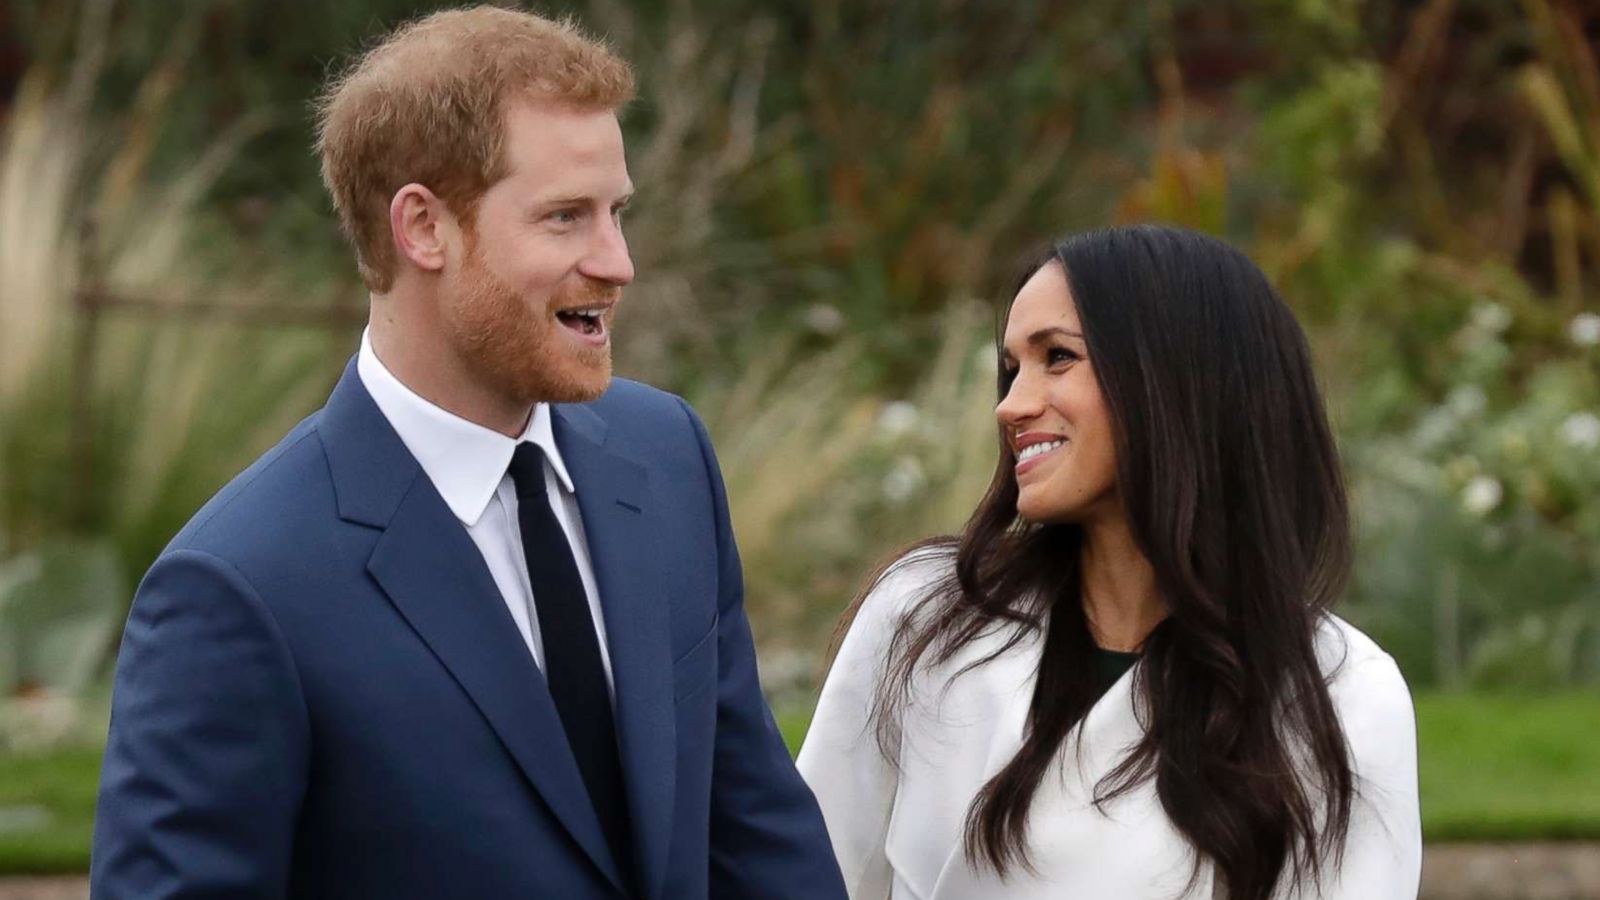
(277,455)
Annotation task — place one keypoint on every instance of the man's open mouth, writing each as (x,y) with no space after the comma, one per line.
(584,321)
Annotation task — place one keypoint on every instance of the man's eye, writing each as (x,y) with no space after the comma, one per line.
(564,216)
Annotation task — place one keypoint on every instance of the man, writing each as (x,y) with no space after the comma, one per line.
(475,629)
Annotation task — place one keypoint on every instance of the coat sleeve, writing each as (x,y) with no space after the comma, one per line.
(205,763)
(1383,852)
(843,759)
(767,835)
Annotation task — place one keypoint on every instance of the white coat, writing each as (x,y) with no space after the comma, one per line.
(897,829)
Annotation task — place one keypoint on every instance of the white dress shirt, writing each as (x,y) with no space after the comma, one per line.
(897,827)
(467,464)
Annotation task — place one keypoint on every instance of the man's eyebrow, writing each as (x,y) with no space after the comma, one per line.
(581,199)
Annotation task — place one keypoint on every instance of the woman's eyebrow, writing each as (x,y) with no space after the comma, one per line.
(1037,338)
(1044,334)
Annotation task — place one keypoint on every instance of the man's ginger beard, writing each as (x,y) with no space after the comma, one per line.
(514,346)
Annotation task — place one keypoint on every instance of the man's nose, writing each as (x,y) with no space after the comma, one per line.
(608,259)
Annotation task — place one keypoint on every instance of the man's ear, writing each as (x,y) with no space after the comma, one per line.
(421,226)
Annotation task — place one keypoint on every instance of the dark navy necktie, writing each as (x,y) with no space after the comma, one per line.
(572,665)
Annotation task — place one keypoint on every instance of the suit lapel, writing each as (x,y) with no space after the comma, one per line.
(614,499)
(437,580)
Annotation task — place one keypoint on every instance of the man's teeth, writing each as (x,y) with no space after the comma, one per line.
(1032,450)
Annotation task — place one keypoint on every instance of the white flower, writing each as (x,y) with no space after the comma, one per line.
(1467,401)
(986,358)
(1435,427)
(1581,430)
(1584,329)
(1481,495)
(1491,317)
(897,418)
(904,480)
(824,319)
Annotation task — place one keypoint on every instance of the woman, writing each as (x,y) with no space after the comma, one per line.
(1121,680)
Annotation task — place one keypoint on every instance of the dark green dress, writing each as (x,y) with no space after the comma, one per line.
(1109,665)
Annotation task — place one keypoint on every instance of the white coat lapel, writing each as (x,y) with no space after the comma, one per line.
(988,709)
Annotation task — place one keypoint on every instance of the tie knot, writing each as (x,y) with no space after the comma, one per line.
(527,470)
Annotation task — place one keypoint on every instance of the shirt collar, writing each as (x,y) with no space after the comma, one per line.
(464,460)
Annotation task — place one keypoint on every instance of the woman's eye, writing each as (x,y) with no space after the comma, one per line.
(1058,355)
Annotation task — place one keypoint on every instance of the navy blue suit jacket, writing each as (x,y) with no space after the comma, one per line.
(320,692)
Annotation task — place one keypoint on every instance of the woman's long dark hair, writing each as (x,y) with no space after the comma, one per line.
(1231,483)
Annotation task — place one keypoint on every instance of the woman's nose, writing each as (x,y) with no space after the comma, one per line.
(1020,404)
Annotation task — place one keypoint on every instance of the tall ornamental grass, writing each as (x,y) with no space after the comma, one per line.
(113,428)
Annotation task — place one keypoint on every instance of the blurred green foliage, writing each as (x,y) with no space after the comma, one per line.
(833,197)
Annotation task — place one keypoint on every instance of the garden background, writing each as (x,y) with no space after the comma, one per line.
(833,197)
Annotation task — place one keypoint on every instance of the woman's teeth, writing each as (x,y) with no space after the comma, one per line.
(1032,450)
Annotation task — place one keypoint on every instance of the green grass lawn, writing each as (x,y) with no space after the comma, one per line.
(1493,768)
(47,811)
(1500,768)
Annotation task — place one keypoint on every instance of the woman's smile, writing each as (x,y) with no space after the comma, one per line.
(1033,449)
